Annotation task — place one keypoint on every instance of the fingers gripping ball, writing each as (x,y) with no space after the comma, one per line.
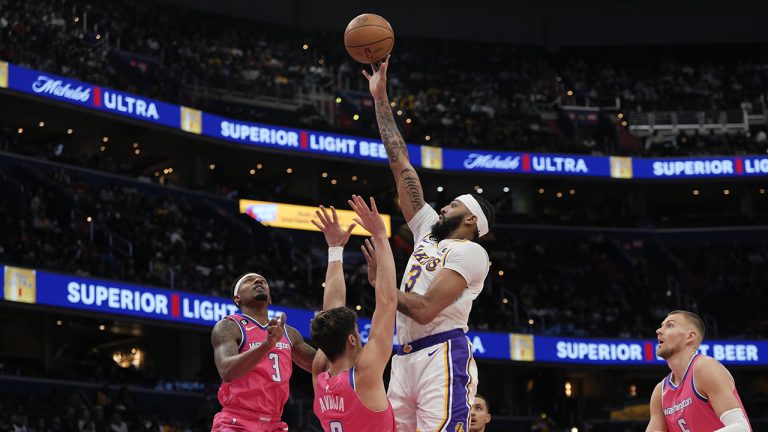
(369,38)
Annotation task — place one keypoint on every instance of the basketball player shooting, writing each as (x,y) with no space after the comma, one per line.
(254,355)
(347,377)
(699,395)
(434,376)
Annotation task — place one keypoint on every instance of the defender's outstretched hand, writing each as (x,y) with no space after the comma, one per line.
(368,218)
(370,257)
(331,228)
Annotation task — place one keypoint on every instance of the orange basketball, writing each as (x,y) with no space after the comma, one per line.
(369,38)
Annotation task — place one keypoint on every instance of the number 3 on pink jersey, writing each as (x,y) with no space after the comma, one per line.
(681,423)
(413,274)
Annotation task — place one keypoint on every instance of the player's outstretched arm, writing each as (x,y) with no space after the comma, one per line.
(375,355)
(714,382)
(409,188)
(335,292)
(231,364)
(657,423)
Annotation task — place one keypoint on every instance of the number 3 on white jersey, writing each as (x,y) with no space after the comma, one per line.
(276,366)
(681,423)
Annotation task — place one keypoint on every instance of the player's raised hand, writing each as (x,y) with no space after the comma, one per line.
(275,330)
(368,218)
(331,228)
(370,257)
(377,81)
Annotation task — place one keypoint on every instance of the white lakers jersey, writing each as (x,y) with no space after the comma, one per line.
(429,257)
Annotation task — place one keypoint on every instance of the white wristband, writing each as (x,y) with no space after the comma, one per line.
(336,253)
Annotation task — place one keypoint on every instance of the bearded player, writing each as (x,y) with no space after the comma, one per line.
(699,395)
(254,355)
(434,376)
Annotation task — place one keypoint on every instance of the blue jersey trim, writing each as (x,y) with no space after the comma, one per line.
(263,327)
(236,319)
(352,378)
(696,392)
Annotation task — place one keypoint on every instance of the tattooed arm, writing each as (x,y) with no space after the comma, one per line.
(408,184)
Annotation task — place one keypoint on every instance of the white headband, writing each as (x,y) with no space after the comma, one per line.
(240,281)
(474,207)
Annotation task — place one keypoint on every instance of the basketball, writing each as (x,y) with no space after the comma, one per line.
(369,38)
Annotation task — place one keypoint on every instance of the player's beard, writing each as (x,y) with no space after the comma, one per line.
(261,297)
(443,229)
(666,352)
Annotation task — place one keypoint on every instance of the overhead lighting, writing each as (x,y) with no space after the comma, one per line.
(334,181)
(103,148)
(358,307)
(572,192)
(259,166)
(252,171)
(58,322)
(408,120)
(501,272)
(20,130)
(695,192)
(530,321)
(726,192)
(393,104)
(102,327)
(568,389)
(105,139)
(559,194)
(541,190)
(338,100)
(70,131)
(324,175)
(98,36)
(620,115)
(135,145)
(506,189)
(41,124)
(762,191)
(624,123)
(399,112)
(157,173)
(289,170)
(354,178)
(570,93)
(505,300)
(356,117)
(137,151)
(479,190)
(89,219)
(439,188)
(305,47)
(212,166)
(427,138)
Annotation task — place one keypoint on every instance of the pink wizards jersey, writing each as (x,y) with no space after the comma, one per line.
(261,394)
(685,410)
(340,409)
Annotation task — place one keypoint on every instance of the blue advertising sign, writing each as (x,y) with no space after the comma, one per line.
(92,96)
(640,352)
(526,163)
(700,167)
(72,91)
(118,298)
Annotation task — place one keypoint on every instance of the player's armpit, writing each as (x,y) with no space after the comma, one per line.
(302,353)
(657,423)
